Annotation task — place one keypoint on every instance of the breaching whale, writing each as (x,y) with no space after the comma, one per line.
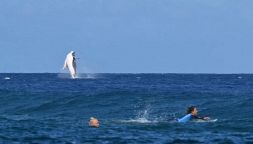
(70,64)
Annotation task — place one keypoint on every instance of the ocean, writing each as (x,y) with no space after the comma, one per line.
(131,108)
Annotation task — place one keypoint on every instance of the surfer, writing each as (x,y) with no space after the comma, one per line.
(94,122)
(192,114)
(70,63)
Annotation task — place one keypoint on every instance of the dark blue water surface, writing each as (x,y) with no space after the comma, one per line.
(132,108)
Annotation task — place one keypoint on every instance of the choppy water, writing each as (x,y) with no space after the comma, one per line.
(132,108)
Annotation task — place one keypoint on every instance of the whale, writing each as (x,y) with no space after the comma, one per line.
(70,64)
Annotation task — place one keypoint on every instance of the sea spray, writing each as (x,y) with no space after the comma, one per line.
(79,76)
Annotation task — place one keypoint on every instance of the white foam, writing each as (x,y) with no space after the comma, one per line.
(79,76)
(140,120)
(7,78)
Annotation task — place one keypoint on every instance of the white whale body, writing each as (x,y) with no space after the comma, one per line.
(70,64)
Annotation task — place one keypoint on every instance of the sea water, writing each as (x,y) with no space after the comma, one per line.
(131,108)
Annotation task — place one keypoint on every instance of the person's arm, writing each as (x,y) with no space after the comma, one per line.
(185,118)
(198,117)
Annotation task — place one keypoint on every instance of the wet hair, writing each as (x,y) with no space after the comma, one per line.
(190,109)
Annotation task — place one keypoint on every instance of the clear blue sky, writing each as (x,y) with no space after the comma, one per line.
(137,36)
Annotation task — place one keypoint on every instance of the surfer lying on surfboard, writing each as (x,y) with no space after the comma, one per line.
(192,114)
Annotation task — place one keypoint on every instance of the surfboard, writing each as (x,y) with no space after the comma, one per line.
(209,120)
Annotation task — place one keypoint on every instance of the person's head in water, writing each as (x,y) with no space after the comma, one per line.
(192,110)
(93,122)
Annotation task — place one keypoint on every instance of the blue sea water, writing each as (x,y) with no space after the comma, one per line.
(132,108)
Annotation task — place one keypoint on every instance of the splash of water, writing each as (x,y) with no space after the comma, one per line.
(79,76)
(143,117)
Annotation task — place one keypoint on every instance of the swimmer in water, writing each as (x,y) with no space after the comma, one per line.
(94,122)
(192,114)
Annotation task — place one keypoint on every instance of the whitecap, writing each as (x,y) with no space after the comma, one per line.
(7,78)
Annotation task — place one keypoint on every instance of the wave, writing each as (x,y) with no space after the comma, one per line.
(16,117)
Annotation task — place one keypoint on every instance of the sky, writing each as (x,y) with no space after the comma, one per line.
(127,36)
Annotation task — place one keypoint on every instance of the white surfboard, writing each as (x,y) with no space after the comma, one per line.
(209,120)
